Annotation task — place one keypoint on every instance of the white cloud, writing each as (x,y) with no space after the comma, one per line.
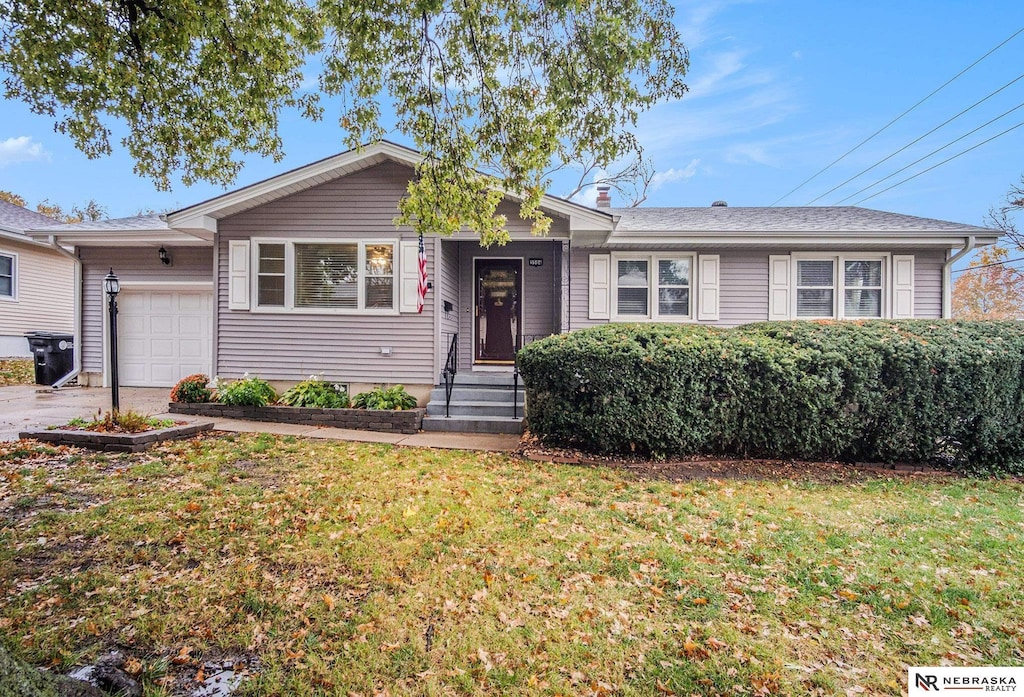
(21,149)
(673,175)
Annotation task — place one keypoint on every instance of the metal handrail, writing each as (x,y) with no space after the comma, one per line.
(521,340)
(451,367)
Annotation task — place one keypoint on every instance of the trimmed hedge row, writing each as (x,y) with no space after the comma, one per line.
(879,391)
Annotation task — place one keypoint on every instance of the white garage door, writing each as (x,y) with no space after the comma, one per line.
(163,335)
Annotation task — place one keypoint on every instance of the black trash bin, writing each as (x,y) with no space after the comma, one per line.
(54,355)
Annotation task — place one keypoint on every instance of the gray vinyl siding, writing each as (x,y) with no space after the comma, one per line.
(140,264)
(448,278)
(927,282)
(538,305)
(743,285)
(346,348)
(44,291)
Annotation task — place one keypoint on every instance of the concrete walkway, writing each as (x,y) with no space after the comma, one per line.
(32,406)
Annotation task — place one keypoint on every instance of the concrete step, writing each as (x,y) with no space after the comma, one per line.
(472,408)
(488,379)
(472,424)
(478,394)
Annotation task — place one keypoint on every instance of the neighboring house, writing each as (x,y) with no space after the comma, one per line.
(36,281)
(306,273)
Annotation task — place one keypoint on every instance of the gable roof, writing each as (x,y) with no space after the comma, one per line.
(201,217)
(806,225)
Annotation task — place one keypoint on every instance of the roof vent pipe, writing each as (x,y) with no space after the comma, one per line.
(720,204)
(604,200)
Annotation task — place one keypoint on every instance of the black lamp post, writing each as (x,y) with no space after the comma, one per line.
(112,286)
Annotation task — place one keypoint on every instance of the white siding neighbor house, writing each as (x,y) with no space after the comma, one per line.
(37,281)
(306,273)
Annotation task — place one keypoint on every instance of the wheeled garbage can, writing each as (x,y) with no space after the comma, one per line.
(54,354)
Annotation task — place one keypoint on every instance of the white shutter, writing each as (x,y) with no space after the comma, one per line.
(238,275)
(600,286)
(779,293)
(902,286)
(707,296)
(409,275)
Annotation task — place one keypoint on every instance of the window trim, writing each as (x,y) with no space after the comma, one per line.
(13,297)
(839,282)
(289,276)
(652,260)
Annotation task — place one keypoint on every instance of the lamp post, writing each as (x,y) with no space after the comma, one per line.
(112,287)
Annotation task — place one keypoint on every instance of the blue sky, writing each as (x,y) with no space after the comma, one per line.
(779,89)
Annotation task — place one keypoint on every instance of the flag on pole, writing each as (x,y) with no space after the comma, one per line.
(422,288)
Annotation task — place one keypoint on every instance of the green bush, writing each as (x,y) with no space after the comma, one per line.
(881,391)
(192,389)
(247,392)
(316,393)
(385,398)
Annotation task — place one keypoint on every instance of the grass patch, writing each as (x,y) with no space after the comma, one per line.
(17,371)
(355,567)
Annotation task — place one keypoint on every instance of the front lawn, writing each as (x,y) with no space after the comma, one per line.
(337,567)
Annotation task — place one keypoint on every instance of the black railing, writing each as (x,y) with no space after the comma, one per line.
(451,367)
(521,341)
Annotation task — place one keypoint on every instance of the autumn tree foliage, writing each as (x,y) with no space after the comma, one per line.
(989,288)
(90,210)
(495,93)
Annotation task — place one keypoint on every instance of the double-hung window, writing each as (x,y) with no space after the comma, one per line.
(840,287)
(326,275)
(8,280)
(652,287)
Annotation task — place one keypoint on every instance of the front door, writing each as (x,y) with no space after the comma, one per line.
(498,308)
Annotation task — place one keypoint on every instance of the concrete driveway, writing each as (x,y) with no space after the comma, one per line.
(34,406)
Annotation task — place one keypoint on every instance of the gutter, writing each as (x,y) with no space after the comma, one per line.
(947,275)
(77,367)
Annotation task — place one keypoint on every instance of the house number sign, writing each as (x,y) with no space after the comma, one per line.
(536,262)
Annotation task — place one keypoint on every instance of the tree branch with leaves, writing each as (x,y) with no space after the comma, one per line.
(494,93)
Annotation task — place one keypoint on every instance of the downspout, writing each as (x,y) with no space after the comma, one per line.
(77,367)
(947,276)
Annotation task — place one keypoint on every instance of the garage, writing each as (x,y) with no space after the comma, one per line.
(163,335)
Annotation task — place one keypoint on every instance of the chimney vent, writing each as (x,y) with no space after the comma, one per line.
(720,204)
(603,199)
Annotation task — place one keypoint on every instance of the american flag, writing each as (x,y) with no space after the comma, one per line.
(422,288)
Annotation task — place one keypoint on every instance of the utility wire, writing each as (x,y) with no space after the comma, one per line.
(930,95)
(985,266)
(948,159)
(925,157)
(916,140)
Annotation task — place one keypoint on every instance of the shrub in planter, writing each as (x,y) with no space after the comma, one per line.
(316,393)
(247,392)
(385,398)
(192,389)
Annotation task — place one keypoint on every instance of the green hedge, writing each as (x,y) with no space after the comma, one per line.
(878,391)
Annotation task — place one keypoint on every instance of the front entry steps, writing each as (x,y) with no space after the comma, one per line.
(481,403)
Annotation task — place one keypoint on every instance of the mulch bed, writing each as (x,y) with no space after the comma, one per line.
(705,467)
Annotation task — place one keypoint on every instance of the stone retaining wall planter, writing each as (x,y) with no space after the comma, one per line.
(115,442)
(387,420)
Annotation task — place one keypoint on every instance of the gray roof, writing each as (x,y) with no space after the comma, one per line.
(781,219)
(18,219)
(133,223)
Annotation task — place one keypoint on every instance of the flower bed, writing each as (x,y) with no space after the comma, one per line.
(387,420)
(116,442)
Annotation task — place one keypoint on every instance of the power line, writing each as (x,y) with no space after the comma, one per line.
(925,157)
(948,159)
(916,140)
(985,266)
(870,137)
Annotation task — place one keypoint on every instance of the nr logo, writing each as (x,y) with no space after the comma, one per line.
(926,682)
